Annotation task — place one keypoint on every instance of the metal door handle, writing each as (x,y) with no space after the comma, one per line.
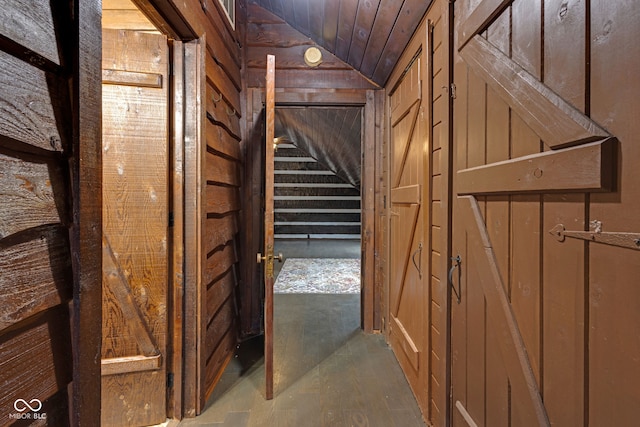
(413,258)
(457,292)
(260,257)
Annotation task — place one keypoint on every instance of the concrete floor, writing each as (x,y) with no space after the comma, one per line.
(327,372)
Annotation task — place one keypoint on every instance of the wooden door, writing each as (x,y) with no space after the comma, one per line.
(408,309)
(135,222)
(545,266)
(268,225)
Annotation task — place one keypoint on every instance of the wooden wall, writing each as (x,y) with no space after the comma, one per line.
(50,212)
(331,83)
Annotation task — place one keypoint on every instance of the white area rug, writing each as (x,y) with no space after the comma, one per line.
(319,276)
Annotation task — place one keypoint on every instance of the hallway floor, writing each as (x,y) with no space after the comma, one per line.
(327,372)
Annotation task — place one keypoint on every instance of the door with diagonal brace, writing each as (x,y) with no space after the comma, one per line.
(539,313)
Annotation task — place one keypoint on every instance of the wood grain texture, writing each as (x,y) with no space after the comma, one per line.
(586,168)
(549,115)
(85,236)
(501,315)
(36,358)
(612,286)
(477,21)
(135,214)
(218,263)
(269,111)
(34,193)
(222,85)
(220,200)
(36,273)
(32,27)
(34,123)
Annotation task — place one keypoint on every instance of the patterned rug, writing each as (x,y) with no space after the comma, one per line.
(319,276)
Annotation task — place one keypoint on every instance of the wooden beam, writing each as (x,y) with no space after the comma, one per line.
(86,183)
(116,283)
(585,168)
(501,315)
(407,194)
(123,365)
(404,340)
(552,118)
(131,78)
(480,18)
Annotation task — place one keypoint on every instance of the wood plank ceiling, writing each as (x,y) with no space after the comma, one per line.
(369,35)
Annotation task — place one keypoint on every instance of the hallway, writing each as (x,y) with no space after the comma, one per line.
(327,372)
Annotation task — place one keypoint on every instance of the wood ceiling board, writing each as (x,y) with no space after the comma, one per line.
(365,18)
(408,20)
(368,35)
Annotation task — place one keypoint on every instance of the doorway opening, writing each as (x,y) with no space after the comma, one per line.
(317,199)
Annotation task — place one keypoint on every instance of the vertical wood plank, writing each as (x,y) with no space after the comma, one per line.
(268,225)
(177,273)
(86,173)
(498,226)
(368,211)
(563,267)
(459,244)
(526,36)
(193,374)
(613,368)
(476,320)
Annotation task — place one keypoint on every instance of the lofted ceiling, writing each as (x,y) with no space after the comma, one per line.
(369,35)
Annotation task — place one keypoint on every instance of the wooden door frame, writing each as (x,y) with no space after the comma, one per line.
(369,101)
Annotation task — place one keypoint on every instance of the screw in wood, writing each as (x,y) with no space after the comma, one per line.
(637,242)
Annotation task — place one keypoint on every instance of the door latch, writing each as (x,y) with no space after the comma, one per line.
(458,292)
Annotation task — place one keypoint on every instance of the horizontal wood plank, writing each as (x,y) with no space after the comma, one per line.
(219,231)
(220,83)
(218,263)
(552,118)
(222,114)
(221,200)
(409,194)
(216,361)
(32,25)
(218,293)
(35,274)
(221,170)
(123,365)
(126,19)
(586,168)
(24,119)
(219,325)
(317,78)
(131,78)
(219,140)
(33,194)
(35,359)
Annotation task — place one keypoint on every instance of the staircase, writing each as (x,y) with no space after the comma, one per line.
(311,201)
